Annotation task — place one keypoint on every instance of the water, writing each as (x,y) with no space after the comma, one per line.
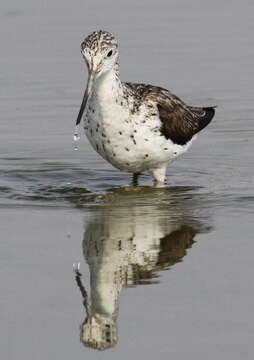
(190,243)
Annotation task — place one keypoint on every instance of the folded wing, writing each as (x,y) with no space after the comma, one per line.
(181,122)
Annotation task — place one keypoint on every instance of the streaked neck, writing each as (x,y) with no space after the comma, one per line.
(108,86)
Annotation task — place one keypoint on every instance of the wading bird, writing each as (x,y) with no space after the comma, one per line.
(135,127)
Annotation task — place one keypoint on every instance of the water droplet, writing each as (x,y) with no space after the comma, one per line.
(76,133)
(76,137)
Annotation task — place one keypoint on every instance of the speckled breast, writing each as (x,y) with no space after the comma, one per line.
(127,141)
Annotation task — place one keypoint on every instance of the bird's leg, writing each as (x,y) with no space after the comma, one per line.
(159,175)
(135,179)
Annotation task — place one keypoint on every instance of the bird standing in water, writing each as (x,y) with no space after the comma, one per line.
(135,127)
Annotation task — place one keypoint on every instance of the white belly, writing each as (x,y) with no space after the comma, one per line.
(131,143)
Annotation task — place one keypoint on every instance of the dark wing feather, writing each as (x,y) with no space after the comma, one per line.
(204,114)
(179,122)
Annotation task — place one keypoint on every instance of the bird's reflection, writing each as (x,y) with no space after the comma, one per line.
(126,242)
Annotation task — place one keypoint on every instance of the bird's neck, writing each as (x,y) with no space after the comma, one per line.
(108,88)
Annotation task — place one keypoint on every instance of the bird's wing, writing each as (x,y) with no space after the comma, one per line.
(179,122)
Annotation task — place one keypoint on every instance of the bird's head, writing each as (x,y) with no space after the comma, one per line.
(100,51)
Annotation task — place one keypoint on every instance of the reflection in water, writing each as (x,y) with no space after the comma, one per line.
(125,243)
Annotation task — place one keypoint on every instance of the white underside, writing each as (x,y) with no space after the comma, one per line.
(130,142)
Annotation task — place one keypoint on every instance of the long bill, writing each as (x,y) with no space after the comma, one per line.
(84,102)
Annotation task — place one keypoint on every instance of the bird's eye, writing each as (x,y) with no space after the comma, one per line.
(110,53)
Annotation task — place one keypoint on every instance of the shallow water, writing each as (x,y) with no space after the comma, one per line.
(189,242)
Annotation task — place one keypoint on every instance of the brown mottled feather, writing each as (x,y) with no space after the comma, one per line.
(179,122)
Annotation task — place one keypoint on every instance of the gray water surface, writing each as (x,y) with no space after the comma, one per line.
(190,242)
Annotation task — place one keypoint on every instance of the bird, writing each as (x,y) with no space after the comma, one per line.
(136,127)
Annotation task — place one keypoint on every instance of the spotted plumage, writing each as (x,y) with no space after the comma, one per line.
(136,127)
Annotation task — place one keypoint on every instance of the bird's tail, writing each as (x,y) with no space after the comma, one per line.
(204,115)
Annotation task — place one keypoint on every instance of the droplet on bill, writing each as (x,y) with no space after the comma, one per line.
(76,137)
